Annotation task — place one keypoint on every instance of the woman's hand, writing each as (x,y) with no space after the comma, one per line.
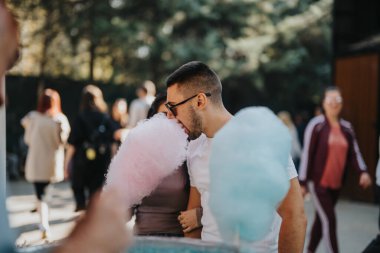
(365,180)
(190,219)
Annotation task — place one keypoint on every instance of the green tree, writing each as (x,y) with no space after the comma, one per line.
(272,52)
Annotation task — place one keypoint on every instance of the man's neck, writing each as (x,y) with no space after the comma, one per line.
(216,121)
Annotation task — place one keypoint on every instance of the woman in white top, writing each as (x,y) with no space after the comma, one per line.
(46,132)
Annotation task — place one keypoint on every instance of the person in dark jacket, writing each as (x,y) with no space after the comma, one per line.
(330,147)
(90,146)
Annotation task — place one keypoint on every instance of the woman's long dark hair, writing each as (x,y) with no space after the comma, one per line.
(160,99)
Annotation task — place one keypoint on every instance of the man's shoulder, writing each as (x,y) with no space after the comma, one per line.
(197,153)
(197,147)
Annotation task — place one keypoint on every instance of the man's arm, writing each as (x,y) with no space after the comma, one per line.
(293,226)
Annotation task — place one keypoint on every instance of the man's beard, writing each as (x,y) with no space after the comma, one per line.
(196,126)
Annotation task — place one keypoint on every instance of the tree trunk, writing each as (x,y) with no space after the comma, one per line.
(48,36)
(92,61)
(92,41)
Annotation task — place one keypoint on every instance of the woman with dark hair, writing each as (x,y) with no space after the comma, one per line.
(158,105)
(157,214)
(90,146)
(330,147)
(46,132)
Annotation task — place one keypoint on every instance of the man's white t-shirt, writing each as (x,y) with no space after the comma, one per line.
(199,172)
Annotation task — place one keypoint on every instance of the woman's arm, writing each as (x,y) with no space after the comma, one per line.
(69,156)
(357,161)
(64,129)
(25,122)
(189,219)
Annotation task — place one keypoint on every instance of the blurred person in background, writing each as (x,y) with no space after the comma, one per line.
(295,151)
(119,119)
(151,91)
(90,146)
(13,166)
(300,122)
(46,133)
(139,107)
(119,113)
(103,228)
(330,146)
(318,111)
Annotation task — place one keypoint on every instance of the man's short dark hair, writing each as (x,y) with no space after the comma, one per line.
(194,77)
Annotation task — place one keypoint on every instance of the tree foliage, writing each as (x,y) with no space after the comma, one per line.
(273,52)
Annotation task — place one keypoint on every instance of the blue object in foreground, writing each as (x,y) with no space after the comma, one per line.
(158,245)
(248,177)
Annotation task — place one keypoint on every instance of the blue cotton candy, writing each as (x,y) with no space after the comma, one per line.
(248,173)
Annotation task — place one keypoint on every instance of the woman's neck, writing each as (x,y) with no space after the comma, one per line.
(334,120)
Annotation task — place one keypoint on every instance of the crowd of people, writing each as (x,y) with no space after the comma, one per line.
(81,152)
(179,206)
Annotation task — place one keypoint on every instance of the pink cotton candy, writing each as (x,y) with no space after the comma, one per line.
(151,152)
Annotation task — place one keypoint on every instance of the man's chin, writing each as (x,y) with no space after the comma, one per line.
(194,136)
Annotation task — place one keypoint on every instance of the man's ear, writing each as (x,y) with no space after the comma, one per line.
(202,100)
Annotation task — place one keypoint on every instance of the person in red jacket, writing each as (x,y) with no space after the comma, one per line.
(330,147)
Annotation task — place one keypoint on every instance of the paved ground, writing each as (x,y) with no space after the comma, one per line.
(357,222)
(21,201)
(357,225)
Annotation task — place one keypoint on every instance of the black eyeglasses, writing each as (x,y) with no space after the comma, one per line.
(171,107)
